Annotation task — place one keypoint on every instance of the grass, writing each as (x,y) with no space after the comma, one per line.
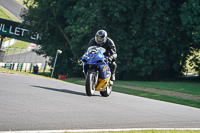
(183,87)
(8,71)
(20,44)
(156,96)
(3,70)
(151,131)
(7,15)
(2,14)
(19,47)
(178,86)
(22,2)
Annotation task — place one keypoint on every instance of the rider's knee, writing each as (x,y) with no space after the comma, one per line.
(113,65)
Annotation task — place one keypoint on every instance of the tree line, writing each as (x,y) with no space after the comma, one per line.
(153,38)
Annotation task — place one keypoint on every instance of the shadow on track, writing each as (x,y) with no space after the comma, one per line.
(62,90)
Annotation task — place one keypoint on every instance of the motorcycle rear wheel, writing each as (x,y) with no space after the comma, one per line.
(107,92)
(90,84)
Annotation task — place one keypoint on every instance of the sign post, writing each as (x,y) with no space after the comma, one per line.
(58,52)
(2,52)
(2,37)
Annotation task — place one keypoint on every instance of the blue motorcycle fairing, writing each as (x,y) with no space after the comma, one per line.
(96,58)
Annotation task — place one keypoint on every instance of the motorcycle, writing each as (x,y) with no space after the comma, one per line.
(97,71)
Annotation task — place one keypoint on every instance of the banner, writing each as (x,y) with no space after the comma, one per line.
(15,30)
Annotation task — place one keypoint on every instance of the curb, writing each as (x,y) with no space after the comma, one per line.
(98,130)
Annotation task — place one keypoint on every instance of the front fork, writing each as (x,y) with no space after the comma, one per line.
(96,75)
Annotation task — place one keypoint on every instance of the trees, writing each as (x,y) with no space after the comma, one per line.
(190,24)
(153,37)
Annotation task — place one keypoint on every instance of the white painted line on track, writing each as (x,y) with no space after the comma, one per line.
(97,130)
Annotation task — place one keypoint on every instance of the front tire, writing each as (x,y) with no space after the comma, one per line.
(90,84)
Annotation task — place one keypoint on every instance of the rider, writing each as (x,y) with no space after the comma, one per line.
(102,40)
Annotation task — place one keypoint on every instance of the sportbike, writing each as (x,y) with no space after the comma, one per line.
(97,71)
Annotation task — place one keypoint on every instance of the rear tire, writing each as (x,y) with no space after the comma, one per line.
(107,92)
(90,84)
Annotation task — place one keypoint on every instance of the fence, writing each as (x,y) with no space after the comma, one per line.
(24,60)
(8,43)
(27,67)
(23,55)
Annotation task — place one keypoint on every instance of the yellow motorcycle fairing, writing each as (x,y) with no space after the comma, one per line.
(102,83)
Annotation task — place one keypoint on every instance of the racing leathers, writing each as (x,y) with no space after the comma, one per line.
(110,53)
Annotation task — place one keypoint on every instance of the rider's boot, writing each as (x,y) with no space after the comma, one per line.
(113,67)
(111,83)
(112,77)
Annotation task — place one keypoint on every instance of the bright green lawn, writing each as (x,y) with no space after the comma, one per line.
(155,131)
(183,87)
(2,14)
(7,15)
(22,2)
(188,87)
(19,47)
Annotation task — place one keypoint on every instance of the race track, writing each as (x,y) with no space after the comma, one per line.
(13,7)
(32,103)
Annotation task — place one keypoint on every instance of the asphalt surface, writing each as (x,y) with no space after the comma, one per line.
(32,103)
(13,7)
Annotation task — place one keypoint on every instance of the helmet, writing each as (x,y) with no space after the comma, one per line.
(101,37)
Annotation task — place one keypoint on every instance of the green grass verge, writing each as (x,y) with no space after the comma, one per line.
(19,47)
(160,85)
(156,96)
(2,14)
(22,2)
(27,73)
(4,70)
(155,131)
(20,44)
(7,15)
(179,86)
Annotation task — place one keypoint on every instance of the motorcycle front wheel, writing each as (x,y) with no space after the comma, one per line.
(90,84)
